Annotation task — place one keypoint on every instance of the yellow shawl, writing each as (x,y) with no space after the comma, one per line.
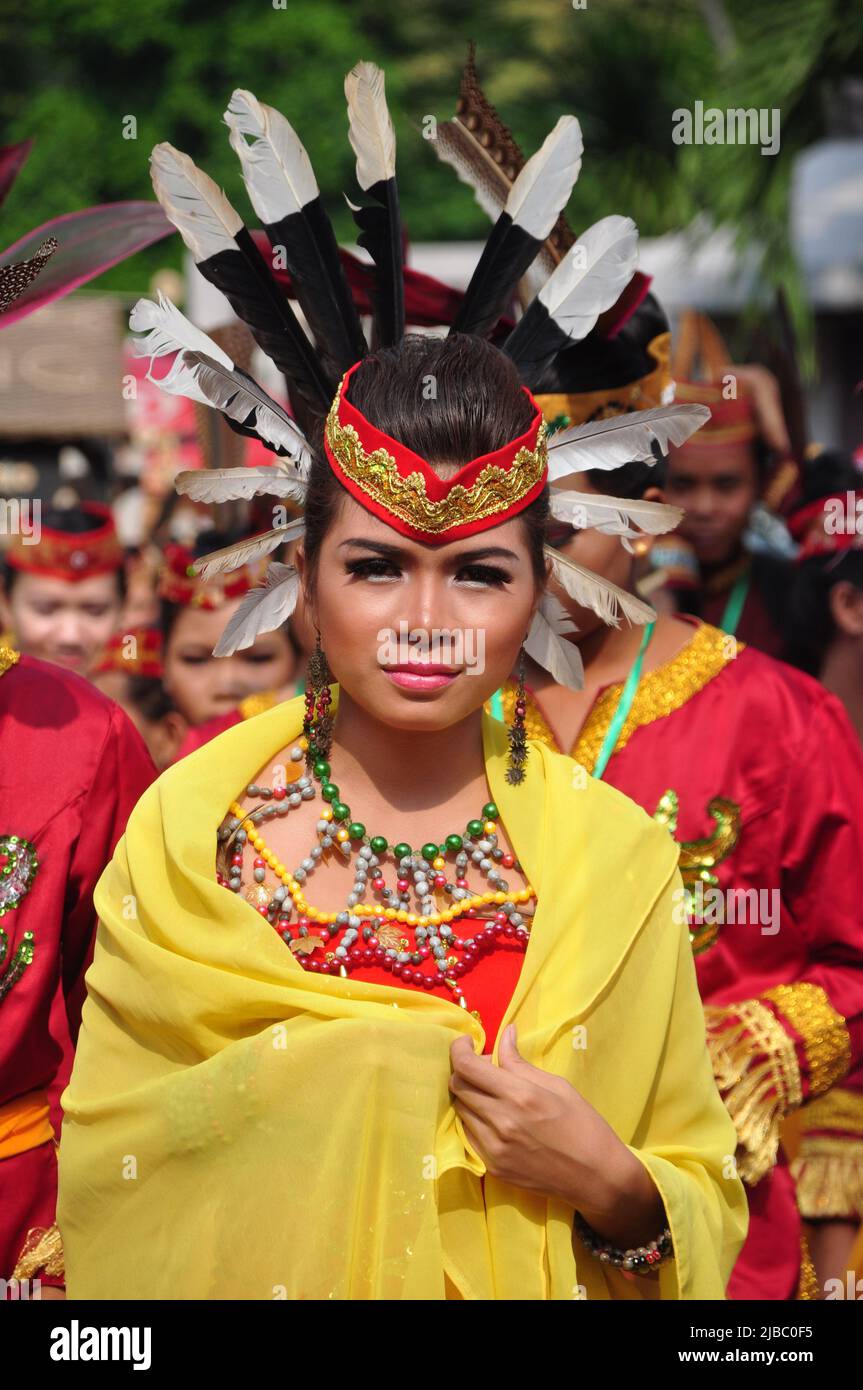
(238,1128)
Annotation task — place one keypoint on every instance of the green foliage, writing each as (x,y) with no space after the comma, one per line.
(623,66)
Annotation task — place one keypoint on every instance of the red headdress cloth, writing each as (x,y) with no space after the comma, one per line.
(402,489)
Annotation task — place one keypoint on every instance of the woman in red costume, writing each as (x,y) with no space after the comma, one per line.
(73,767)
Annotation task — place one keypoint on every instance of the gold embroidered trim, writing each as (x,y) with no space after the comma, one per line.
(755,1065)
(698,859)
(258,703)
(826,1043)
(494,490)
(838,1109)
(660,692)
(808,1287)
(828,1171)
(8,657)
(41,1253)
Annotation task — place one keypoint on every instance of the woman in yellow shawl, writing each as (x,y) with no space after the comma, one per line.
(239,1126)
(317,1061)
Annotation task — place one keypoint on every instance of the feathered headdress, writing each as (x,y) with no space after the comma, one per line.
(578,279)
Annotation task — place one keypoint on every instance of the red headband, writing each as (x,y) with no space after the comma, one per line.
(71,555)
(811,525)
(401,488)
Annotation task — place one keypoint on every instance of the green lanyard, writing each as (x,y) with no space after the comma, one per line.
(624,705)
(734,607)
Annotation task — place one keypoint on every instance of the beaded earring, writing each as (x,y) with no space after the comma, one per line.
(517,735)
(318,722)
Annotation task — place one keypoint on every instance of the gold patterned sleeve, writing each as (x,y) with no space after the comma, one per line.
(772,1054)
(828,1168)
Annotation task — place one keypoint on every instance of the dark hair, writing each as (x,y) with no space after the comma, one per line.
(150,698)
(73,522)
(810,629)
(477,407)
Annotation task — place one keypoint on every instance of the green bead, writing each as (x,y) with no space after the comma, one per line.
(454,842)
(401,851)
(490,811)
(329,791)
(474,828)
(356,830)
(321,769)
(379,844)
(430,851)
(340,810)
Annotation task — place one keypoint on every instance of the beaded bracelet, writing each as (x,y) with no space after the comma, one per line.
(639,1259)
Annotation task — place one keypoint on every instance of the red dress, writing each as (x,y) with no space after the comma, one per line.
(72,766)
(759,775)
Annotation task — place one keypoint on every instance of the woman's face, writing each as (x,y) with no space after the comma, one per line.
(420,635)
(202,685)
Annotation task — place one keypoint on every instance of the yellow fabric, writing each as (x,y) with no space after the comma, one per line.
(238,1128)
(25,1123)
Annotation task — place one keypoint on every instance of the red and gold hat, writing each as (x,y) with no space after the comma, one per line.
(143,658)
(401,488)
(827,526)
(71,555)
(178,582)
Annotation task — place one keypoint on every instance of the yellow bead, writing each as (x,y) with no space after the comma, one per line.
(327,814)
(389,912)
(498,897)
(423,922)
(490,827)
(342,835)
(435,919)
(303,743)
(439,863)
(411,919)
(401,916)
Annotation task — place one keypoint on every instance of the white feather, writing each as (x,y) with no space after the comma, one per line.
(168,331)
(622,439)
(370,128)
(591,591)
(225,390)
(262,609)
(542,189)
(615,516)
(231,557)
(592,275)
(194,203)
(232,484)
(546,643)
(277,170)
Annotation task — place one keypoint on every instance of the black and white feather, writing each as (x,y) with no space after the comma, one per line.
(640,436)
(263,609)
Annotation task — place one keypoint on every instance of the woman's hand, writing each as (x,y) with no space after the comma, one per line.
(533,1129)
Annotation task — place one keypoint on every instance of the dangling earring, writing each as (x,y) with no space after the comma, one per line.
(318,722)
(517,735)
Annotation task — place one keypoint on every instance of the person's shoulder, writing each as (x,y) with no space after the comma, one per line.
(32,687)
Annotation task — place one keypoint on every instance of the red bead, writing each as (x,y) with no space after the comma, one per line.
(459,968)
(428,981)
(368,957)
(439,880)
(387,962)
(303,922)
(418,977)
(325,967)
(461,883)
(379,954)
(424,953)
(311,964)
(500,917)
(402,885)
(509,931)
(260,863)
(397,970)
(508,861)
(237,860)
(279,793)
(356,953)
(378,885)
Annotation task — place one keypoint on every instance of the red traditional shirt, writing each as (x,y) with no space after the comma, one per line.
(72,766)
(759,775)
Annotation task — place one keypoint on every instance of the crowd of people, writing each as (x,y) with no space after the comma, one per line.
(669,711)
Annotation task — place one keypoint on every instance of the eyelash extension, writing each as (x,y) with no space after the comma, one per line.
(488,574)
(370,567)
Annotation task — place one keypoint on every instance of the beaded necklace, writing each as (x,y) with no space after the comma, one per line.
(420,947)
